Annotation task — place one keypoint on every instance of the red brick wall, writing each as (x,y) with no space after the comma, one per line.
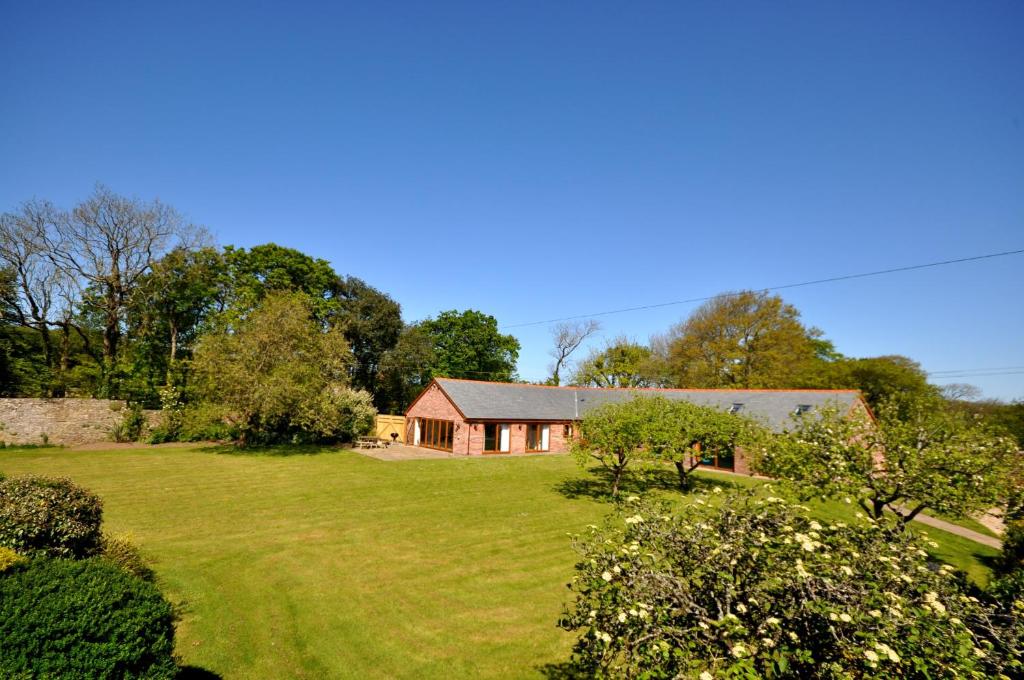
(434,404)
(557,442)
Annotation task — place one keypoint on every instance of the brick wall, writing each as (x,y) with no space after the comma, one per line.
(434,404)
(63,421)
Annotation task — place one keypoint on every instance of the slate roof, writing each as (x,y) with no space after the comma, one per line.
(479,400)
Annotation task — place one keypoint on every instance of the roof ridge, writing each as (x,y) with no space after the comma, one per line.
(653,389)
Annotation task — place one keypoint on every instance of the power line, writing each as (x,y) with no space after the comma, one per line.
(972,370)
(815,282)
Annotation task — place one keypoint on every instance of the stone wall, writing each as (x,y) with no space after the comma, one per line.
(63,421)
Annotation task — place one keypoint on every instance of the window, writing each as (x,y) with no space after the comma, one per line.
(722,458)
(736,408)
(436,434)
(538,438)
(801,409)
(496,436)
(567,431)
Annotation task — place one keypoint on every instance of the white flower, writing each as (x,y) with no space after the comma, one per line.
(617,569)
(772,621)
(875,613)
(845,618)
(741,608)
(635,519)
(622,617)
(815,526)
(793,636)
(717,489)
(888,651)
(633,499)
(706,676)
(871,656)
(739,650)
(768,642)
(607,576)
(846,570)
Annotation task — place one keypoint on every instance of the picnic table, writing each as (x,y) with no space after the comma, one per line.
(371,443)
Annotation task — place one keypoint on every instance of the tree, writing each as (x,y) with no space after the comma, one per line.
(106,244)
(406,369)
(568,336)
(170,306)
(468,345)
(877,378)
(261,270)
(743,586)
(615,434)
(916,454)
(36,293)
(275,368)
(622,363)
(741,340)
(682,433)
(372,323)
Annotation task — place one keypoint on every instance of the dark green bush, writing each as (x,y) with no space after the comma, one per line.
(121,551)
(200,422)
(83,619)
(52,517)
(131,426)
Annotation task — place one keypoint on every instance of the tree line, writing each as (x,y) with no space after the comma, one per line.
(755,340)
(112,298)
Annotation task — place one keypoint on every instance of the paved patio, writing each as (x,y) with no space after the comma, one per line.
(405,452)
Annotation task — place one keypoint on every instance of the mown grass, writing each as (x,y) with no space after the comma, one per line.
(332,564)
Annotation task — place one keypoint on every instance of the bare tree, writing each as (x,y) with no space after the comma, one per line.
(37,294)
(568,336)
(105,245)
(960,392)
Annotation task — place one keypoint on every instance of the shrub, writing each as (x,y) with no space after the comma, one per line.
(132,424)
(121,551)
(9,559)
(77,619)
(53,517)
(756,588)
(199,422)
(337,413)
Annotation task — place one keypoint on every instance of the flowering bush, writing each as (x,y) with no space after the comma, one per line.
(915,454)
(53,517)
(753,587)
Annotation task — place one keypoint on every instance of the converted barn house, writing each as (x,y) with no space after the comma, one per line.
(474,417)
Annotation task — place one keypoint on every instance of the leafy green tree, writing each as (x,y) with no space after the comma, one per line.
(682,433)
(614,435)
(283,376)
(877,378)
(406,369)
(171,306)
(743,586)
(741,340)
(372,323)
(916,454)
(468,345)
(254,273)
(623,363)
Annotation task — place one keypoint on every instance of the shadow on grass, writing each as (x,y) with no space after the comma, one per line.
(196,673)
(276,449)
(598,486)
(562,671)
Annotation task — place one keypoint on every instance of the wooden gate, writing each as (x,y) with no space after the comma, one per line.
(387,424)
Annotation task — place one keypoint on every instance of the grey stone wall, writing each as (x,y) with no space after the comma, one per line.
(63,421)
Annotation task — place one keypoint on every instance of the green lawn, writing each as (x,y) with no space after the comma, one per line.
(333,564)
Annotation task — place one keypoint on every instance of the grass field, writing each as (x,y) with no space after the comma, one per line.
(332,564)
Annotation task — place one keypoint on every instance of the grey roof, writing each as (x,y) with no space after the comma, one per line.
(479,400)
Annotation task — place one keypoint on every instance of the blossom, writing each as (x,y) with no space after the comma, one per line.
(607,576)
(846,570)
(768,642)
(739,650)
(772,621)
(871,656)
(741,608)
(635,519)
(845,618)
(706,676)
(622,617)
(888,651)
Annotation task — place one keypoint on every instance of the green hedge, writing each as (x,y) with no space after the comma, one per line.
(83,619)
(52,517)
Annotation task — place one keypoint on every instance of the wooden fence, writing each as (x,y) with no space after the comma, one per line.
(387,424)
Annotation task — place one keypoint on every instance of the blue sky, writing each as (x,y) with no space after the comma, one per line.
(539,160)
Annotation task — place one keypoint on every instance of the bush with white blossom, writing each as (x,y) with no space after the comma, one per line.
(752,587)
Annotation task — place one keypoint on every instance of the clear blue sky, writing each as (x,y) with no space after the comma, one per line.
(537,160)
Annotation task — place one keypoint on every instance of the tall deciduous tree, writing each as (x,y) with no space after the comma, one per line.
(406,369)
(567,337)
(622,363)
(107,244)
(877,378)
(468,345)
(741,340)
(274,370)
(915,454)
